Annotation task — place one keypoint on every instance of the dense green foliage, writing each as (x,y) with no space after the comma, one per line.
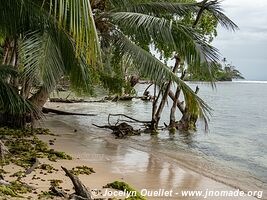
(100,42)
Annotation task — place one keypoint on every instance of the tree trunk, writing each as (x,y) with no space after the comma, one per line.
(179,103)
(40,98)
(188,120)
(176,103)
(173,109)
(165,95)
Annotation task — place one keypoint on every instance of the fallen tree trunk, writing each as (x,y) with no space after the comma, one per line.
(59,112)
(60,100)
(80,189)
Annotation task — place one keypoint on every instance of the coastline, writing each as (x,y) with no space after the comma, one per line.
(150,173)
(115,161)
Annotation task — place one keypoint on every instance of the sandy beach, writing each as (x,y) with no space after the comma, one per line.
(141,170)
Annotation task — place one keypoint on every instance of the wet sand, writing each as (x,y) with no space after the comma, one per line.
(112,162)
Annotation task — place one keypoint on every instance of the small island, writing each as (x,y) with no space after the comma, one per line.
(223,71)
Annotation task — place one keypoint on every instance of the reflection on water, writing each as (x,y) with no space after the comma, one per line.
(236,138)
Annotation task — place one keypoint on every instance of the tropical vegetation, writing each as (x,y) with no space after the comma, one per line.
(95,42)
(222,72)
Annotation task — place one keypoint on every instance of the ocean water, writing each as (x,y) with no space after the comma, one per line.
(235,143)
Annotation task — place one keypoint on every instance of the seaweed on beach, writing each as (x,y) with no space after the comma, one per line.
(47,195)
(27,132)
(24,146)
(47,167)
(14,189)
(119,185)
(55,182)
(82,170)
(18,174)
(6,190)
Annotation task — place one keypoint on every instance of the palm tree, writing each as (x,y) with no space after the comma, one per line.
(127,28)
(47,39)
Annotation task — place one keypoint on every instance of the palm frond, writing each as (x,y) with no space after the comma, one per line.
(17,17)
(214,7)
(50,55)
(152,68)
(157,28)
(6,71)
(155,8)
(43,59)
(76,18)
(178,37)
(10,101)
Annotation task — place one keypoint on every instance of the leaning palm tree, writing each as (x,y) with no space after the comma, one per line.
(128,29)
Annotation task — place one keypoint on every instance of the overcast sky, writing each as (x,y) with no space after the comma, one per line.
(246,48)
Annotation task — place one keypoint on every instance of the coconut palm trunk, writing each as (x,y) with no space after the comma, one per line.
(164,99)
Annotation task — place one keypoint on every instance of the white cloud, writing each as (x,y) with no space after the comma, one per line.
(247,46)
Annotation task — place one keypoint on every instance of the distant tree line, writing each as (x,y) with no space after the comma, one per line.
(223,71)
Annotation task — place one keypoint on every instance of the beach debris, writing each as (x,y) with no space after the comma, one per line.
(61,100)
(33,167)
(3,151)
(119,185)
(58,192)
(19,174)
(6,190)
(48,168)
(60,112)
(54,155)
(82,170)
(55,182)
(52,193)
(2,171)
(15,188)
(122,130)
(81,192)
(119,98)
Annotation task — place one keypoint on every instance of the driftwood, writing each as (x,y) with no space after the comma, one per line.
(81,192)
(119,98)
(3,182)
(126,116)
(122,130)
(35,165)
(59,112)
(58,192)
(60,100)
